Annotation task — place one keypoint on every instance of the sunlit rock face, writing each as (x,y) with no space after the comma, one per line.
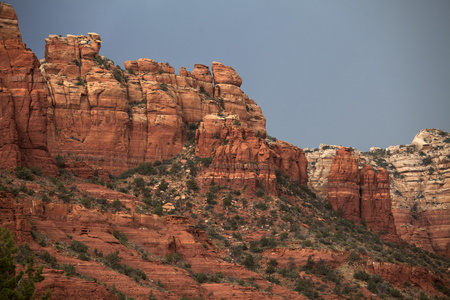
(23,105)
(115,119)
(242,158)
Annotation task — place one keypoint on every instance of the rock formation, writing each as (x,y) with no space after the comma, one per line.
(361,195)
(243,158)
(23,139)
(344,185)
(115,119)
(420,190)
(419,185)
(136,237)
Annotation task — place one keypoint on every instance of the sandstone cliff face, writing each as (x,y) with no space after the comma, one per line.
(23,105)
(242,158)
(116,119)
(419,185)
(421,190)
(344,184)
(362,195)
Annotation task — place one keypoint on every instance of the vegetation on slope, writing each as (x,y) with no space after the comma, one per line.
(320,253)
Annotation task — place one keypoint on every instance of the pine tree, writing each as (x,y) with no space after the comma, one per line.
(16,286)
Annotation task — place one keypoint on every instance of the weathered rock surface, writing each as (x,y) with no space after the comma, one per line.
(225,75)
(63,287)
(420,190)
(150,238)
(361,195)
(116,119)
(344,184)
(419,185)
(376,202)
(397,275)
(241,158)
(23,139)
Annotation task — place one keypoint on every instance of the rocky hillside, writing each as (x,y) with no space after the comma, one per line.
(419,185)
(138,183)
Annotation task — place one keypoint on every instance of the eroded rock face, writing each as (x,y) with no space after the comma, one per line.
(225,75)
(23,139)
(343,184)
(361,195)
(420,190)
(419,185)
(152,237)
(375,201)
(9,25)
(397,275)
(241,158)
(115,119)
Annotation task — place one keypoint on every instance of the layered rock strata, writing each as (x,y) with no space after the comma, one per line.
(23,105)
(361,195)
(150,239)
(242,159)
(419,183)
(116,119)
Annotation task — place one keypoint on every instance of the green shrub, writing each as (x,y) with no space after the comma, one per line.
(163,186)
(123,239)
(23,173)
(164,87)
(427,161)
(268,242)
(210,198)
(48,258)
(353,257)
(158,209)
(69,269)
(59,161)
(205,161)
(249,262)
(361,275)
(78,246)
(117,205)
(201,278)
(261,205)
(24,254)
(113,260)
(191,184)
(86,202)
(395,293)
(36,170)
(259,193)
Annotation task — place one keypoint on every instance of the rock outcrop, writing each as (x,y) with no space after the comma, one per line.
(242,158)
(361,195)
(344,184)
(420,189)
(23,139)
(151,240)
(419,185)
(115,119)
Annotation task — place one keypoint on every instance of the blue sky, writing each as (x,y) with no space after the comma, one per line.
(345,72)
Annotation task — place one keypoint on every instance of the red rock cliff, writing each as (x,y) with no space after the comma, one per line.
(343,184)
(23,139)
(361,194)
(242,158)
(116,119)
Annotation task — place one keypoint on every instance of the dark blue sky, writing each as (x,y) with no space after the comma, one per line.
(346,72)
